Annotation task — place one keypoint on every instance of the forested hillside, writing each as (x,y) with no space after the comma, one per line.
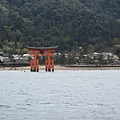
(67,23)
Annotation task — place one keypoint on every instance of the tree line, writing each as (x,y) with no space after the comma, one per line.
(66,23)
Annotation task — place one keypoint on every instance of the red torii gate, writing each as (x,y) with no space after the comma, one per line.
(48,52)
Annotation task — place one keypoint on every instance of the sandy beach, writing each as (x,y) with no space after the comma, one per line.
(58,67)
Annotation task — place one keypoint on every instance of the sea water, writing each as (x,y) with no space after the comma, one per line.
(60,95)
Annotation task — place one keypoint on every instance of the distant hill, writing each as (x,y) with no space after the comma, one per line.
(67,23)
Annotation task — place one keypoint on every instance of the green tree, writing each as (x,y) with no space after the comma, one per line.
(115,41)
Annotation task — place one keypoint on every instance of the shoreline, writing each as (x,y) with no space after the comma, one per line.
(58,67)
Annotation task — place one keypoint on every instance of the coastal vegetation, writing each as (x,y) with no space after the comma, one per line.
(94,25)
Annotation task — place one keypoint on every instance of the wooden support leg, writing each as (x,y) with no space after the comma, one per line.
(49,66)
(31,65)
(37,65)
(53,64)
(35,61)
(46,64)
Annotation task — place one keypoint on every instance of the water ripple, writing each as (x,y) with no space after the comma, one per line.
(4,106)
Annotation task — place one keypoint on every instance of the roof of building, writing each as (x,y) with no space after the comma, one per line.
(42,48)
(2,54)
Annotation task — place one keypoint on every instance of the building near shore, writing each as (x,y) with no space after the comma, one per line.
(3,57)
(21,58)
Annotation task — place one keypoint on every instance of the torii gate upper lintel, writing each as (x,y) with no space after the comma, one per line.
(42,51)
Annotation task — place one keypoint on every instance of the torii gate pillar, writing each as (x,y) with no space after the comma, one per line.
(49,62)
(34,63)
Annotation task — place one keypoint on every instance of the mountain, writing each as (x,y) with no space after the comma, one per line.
(67,23)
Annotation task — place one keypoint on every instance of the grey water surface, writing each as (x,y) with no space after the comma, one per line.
(60,95)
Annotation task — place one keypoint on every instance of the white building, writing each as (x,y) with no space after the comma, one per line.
(26,56)
(3,57)
(20,58)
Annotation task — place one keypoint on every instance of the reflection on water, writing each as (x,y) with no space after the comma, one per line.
(60,95)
